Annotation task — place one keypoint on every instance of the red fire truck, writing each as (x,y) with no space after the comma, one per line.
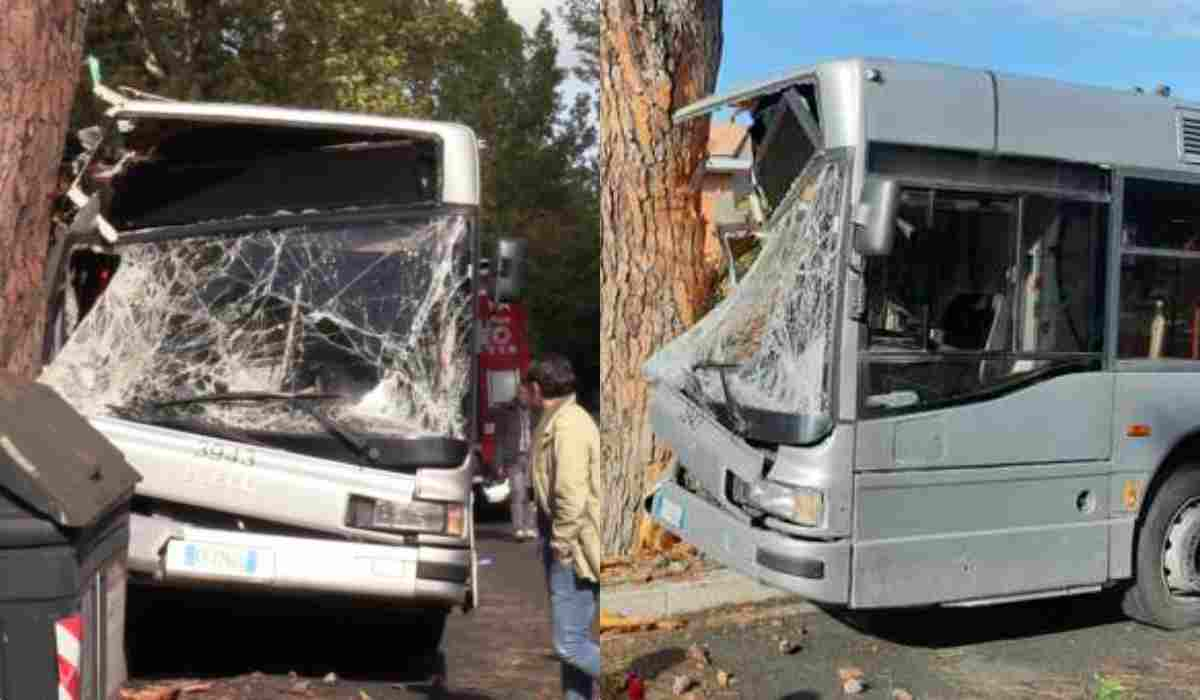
(504,353)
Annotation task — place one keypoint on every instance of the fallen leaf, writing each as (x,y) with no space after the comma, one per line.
(724,678)
(300,688)
(197,688)
(850,673)
(787,647)
(698,654)
(362,695)
(331,678)
(611,623)
(853,686)
(901,694)
(682,684)
(151,693)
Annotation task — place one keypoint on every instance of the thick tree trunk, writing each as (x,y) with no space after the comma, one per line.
(656,56)
(39,67)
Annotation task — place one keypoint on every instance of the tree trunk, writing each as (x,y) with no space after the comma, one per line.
(39,67)
(656,56)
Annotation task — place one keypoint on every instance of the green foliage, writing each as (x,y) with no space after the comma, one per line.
(416,58)
(1108,688)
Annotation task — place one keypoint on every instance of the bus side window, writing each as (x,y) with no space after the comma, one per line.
(1160,271)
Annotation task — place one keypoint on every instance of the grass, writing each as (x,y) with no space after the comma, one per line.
(1108,688)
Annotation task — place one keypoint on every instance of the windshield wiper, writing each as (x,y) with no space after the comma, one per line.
(357,443)
(735,409)
(233,396)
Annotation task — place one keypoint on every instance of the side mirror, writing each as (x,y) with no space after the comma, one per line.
(875,216)
(509,273)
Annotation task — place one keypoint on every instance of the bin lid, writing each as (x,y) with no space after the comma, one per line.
(54,460)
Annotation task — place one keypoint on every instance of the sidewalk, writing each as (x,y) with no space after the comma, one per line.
(666,598)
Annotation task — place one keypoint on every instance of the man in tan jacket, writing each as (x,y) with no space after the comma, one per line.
(565,466)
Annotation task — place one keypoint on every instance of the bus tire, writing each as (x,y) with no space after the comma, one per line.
(1174,516)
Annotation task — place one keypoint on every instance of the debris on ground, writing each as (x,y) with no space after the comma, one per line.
(852,680)
(300,688)
(152,693)
(634,687)
(331,678)
(901,694)
(699,654)
(725,679)
(682,684)
(612,623)
(787,647)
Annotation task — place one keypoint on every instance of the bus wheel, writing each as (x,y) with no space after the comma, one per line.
(1167,589)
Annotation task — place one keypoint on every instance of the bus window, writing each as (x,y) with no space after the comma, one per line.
(1160,271)
(954,315)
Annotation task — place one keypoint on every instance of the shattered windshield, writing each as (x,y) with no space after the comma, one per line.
(766,347)
(376,315)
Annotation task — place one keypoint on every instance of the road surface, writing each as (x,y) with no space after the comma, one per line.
(1052,649)
(250,647)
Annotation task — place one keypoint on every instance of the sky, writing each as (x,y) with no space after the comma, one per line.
(1111,43)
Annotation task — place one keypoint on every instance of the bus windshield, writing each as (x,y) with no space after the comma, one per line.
(765,350)
(377,314)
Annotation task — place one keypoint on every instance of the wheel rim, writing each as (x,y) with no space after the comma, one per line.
(1181,552)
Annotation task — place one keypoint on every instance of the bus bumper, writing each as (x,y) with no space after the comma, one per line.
(172,553)
(815,569)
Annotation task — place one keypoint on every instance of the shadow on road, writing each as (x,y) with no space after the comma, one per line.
(937,628)
(212,635)
(802,695)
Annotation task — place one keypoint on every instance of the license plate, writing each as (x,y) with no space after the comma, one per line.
(669,512)
(221,560)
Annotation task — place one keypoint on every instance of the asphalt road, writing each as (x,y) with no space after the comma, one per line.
(1070,648)
(264,647)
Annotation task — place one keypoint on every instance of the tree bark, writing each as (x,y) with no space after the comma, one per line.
(39,67)
(656,56)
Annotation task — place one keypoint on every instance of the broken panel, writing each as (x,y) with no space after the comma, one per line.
(378,315)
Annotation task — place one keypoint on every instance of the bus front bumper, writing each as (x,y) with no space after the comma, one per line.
(815,569)
(172,553)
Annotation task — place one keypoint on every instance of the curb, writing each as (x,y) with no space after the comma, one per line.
(713,590)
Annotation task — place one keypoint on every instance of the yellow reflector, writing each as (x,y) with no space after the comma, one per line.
(455,519)
(1138,430)
(807,506)
(1129,494)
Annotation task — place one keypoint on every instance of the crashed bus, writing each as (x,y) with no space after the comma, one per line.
(965,366)
(271,312)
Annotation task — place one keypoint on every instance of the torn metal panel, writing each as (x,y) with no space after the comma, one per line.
(377,313)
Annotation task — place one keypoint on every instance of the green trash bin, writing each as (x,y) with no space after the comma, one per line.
(64,535)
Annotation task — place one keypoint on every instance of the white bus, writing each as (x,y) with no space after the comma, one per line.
(271,313)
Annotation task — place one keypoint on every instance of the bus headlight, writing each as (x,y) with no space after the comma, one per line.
(796,504)
(412,516)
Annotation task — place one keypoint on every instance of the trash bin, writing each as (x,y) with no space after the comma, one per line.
(64,534)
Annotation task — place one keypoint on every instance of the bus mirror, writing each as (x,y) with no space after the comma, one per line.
(509,274)
(875,216)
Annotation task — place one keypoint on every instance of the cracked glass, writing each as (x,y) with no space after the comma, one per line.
(378,314)
(768,345)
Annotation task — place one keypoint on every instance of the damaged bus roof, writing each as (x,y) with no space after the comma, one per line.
(861,100)
(460,180)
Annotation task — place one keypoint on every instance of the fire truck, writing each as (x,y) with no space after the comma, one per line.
(504,355)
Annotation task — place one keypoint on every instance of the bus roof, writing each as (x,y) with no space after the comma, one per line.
(864,100)
(460,178)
